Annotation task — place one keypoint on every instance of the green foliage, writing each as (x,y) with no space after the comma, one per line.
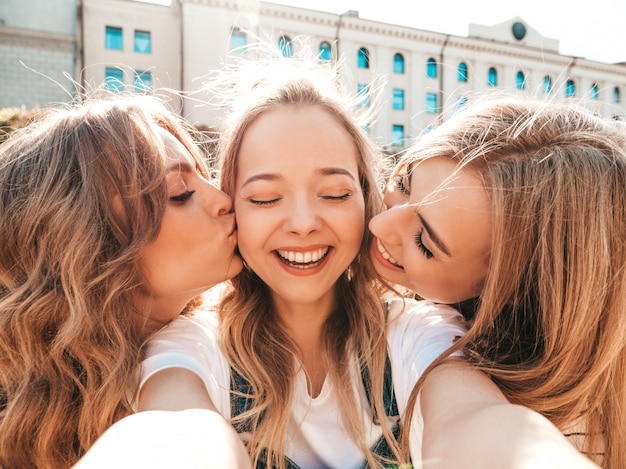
(12,118)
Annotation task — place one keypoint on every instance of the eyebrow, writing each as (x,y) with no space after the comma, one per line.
(180,166)
(275,177)
(434,236)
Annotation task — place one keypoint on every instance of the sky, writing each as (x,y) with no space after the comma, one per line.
(595,30)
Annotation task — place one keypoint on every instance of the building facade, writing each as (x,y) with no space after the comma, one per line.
(38,43)
(142,46)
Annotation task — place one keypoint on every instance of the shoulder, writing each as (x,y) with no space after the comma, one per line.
(423,313)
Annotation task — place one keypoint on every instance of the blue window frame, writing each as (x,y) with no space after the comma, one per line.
(520,80)
(616,95)
(570,88)
(114,79)
(237,39)
(143,42)
(492,77)
(397,135)
(363,91)
(547,84)
(461,102)
(326,52)
(285,46)
(142,81)
(363,58)
(398,63)
(431,68)
(398,99)
(463,73)
(113,38)
(594,92)
(431,103)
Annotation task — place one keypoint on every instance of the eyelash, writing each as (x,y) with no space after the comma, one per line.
(331,198)
(182,198)
(400,184)
(421,246)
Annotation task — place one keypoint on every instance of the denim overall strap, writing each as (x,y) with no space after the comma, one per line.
(241,401)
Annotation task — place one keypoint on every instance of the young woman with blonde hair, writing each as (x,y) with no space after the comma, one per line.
(537,266)
(302,355)
(109,228)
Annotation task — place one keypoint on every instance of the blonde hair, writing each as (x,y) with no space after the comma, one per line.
(252,337)
(550,324)
(82,193)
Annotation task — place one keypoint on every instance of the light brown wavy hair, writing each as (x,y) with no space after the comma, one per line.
(252,338)
(550,324)
(82,193)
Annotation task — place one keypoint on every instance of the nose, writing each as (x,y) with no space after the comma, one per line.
(389,225)
(302,217)
(219,203)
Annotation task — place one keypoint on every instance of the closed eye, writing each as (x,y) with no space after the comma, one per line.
(264,202)
(421,246)
(184,197)
(345,196)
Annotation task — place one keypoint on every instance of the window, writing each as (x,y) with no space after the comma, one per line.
(114,79)
(398,99)
(594,92)
(143,42)
(363,58)
(284,43)
(398,63)
(616,96)
(431,68)
(237,39)
(143,81)
(397,135)
(520,80)
(462,72)
(461,102)
(570,88)
(431,103)
(492,77)
(363,91)
(113,38)
(326,52)
(547,84)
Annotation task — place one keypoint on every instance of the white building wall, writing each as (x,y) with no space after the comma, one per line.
(37,52)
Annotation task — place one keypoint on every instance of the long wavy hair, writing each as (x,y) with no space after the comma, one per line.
(82,193)
(253,339)
(550,324)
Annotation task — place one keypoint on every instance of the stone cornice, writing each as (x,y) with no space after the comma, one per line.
(36,39)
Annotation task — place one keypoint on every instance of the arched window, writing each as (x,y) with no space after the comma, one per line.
(616,96)
(363,58)
(237,39)
(547,84)
(594,92)
(492,77)
(326,52)
(520,80)
(398,63)
(431,68)
(462,72)
(284,44)
(570,88)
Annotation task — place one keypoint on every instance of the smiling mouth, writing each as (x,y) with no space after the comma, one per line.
(303,260)
(383,252)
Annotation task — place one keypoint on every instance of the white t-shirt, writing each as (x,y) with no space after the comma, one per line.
(316,437)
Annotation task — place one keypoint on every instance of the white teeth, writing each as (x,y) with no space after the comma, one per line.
(302,258)
(385,254)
